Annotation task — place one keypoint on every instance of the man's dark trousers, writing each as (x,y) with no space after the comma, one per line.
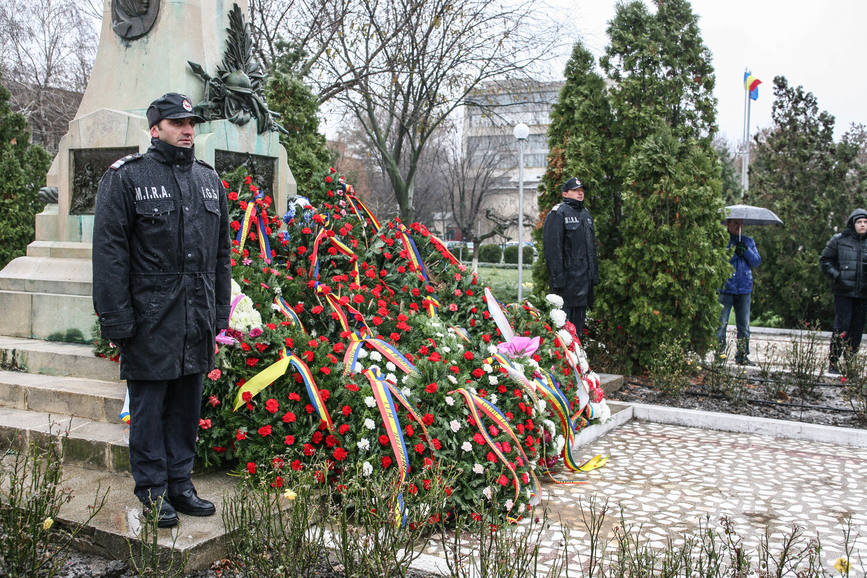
(849,317)
(161,457)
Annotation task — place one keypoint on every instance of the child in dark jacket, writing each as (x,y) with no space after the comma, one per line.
(737,291)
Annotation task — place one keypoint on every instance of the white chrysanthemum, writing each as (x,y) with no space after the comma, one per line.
(357,368)
(366,469)
(492,349)
(509,504)
(493,379)
(549,426)
(363,444)
(582,359)
(554,300)
(541,406)
(487,368)
(488,493)
(376,356)
(450,401)
(244,317)
(455,425)
(478,468)
(405,378)
(467,446)
(565,337)
(493,398)
(369,401)
(406,392)
(391,377)
(600,411)
(452,379)
(390,366)
(369,424)
(558,316)
(447,349)
(362,353)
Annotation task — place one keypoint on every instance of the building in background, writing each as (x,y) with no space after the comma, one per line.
(489,120)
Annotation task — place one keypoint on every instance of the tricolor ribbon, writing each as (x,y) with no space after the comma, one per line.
(276,370)
(286,310)
(350,358)
(412,251)
(385,403)
(356,202)
(264,244)
(246,221)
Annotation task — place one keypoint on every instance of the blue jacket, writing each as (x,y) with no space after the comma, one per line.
(741,281)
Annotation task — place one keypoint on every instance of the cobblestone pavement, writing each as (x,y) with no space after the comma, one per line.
(668,478)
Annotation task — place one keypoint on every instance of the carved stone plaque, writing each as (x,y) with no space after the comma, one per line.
(131,19)
(88,166)
(259,167)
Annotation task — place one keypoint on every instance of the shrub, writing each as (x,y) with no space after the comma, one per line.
(510,254)
(490,254)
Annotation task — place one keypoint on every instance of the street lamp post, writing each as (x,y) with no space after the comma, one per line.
(521,132)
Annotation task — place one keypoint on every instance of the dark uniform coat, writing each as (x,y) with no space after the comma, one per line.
(161,269)
(569,241)
(844,260)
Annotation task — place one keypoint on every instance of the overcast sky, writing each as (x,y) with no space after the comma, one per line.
(817,45)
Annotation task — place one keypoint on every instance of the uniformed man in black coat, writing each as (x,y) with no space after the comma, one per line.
(161,289)
(569,242)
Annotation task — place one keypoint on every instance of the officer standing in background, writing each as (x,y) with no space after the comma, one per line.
(569,242)
(161,289)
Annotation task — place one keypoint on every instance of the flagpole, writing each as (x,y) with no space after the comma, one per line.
(745,157)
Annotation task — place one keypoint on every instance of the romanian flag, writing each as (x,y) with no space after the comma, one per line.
(751,85)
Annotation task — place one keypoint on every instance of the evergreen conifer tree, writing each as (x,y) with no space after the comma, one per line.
(802,175)
(22,172)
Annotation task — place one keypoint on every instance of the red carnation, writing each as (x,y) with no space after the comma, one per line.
(265,430)
(386,461)
(289,440)
(339,454)
(272,406)
(251,467)
(431,388)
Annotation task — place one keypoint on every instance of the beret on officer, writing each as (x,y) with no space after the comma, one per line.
(171,105)
(572,184)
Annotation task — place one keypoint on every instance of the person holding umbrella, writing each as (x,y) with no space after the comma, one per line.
(844,260)
(737,291)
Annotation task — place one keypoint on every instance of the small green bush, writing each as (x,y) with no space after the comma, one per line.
(510,255)
(490,254)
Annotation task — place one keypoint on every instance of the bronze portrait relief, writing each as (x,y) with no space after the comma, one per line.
(131,19)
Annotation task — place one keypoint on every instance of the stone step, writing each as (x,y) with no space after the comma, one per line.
(86,443)
(59,276)
(92,399)
(56,358)
(60,249)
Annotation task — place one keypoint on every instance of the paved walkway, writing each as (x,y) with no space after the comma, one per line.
(668,478)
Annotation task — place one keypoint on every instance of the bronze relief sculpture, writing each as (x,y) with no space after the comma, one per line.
(131,19)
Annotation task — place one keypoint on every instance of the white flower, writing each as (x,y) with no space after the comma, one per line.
(565,337)
(450,401)
(405,378)
(447,349)
(366,469)
(467,446)
(600,411)
(363,444)
(487,367)
(493,379)
(376,356)
(391,377)
(455,425)
(558,316)
(541,406)
(509,504)
(358,368)
(559,442)
(406,392)
(390,366)
(478,468)
(452,379)
(549,426)
(493,398)
(362,353)
(487,493)
(370,401)
(369,424)
(554,300)
(492,349)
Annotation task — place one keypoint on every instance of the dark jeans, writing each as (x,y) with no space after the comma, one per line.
(741,304)
(849,316)
(164,422)
(577,315)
